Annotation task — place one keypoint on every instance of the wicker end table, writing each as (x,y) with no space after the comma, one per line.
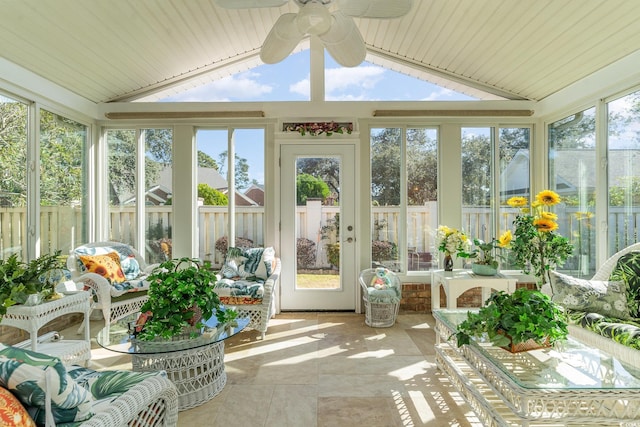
(32,318)
(570,384)
(194,365)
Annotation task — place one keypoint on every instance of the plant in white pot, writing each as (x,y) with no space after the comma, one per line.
(485,257)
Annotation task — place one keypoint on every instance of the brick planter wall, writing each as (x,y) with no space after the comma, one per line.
(416,297)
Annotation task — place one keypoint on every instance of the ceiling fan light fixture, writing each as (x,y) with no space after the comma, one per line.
(313,18)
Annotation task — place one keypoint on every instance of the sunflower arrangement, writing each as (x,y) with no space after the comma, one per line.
(452,241)
(536,245)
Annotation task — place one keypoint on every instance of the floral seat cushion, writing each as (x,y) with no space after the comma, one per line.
(626,332)
(243,291)
(134,279)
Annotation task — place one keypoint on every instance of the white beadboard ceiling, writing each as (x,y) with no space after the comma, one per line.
(123,50)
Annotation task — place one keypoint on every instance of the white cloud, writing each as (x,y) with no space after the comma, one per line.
(344,84)
(441,95)
(243,86)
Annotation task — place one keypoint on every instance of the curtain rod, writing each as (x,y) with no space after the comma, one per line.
(452,113)
(182,114)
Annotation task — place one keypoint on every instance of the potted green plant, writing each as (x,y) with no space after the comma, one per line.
(180,296)
(19,280)
(485,256)
(508,320)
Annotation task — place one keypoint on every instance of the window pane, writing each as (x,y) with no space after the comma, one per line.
(514,177)
(477,194)
(385,195)
(121,148)
(422,197)
(63,181)
(158,183)
(572,169)
(624,171)
(13,178)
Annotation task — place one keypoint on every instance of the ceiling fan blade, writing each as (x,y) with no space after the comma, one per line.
(344,42)
(281,40)
(248,4)
(375,8)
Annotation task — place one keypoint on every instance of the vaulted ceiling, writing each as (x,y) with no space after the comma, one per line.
(121,50)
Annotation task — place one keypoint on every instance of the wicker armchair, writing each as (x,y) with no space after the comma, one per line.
(152,402)
(113,307)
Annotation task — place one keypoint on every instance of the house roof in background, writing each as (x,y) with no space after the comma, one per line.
(105,50)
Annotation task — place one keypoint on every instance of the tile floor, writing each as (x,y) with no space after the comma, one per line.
(327,369)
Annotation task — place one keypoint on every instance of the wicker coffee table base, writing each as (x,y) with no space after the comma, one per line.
(198,373)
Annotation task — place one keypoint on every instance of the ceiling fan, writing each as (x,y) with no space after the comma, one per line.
(337,30)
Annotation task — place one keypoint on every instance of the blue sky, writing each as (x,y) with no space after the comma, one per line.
(289,81)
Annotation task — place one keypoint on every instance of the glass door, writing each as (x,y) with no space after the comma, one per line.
(317,227)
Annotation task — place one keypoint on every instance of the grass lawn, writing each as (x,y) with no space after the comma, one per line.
(318,281)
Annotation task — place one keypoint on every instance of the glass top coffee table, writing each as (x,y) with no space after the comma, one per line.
(567,384)
(194,365)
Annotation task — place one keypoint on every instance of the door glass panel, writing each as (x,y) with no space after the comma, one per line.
(318,223)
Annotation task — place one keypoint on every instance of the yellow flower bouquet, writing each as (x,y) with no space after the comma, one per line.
(536,245)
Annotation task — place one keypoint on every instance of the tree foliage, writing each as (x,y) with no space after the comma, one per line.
(309,186)
(211,196)
(385,166)
(206,161)
(325,168)
(13,153)
(242,169)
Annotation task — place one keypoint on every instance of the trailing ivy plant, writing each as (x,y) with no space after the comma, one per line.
(515,318)
(180,296)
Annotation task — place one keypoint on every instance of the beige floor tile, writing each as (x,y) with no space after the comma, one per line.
(326,369)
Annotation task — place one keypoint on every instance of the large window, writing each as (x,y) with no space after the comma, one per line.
(242,217)
(404,194)
(572,173)
(623,151)
(63,183)
(13,177)
(149,185)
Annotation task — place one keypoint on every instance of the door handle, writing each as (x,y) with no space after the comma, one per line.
(350,240)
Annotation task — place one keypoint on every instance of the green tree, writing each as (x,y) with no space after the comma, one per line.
(422,167)
(206,161)
(325,168)
(13,153)
(211,196)
(308,186)
(242,169)
(385,166)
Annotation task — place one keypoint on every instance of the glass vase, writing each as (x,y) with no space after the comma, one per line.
(448,262)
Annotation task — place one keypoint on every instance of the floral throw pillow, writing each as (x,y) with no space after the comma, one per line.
(107,265)
(591,296)
(627,269)
(12,413)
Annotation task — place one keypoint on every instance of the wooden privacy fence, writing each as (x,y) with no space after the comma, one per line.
(62,227)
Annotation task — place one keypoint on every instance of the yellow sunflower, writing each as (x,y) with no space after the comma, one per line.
(505,239)
(517,201)
(545,225)
(549,215)
(548,198)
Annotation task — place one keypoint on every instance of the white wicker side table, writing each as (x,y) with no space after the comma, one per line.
(32,318)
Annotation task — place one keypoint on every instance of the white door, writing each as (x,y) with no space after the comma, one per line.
(318,233)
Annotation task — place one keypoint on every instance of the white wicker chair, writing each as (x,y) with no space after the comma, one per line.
(259,314)
(378,313)
(112,310)
(153,402)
